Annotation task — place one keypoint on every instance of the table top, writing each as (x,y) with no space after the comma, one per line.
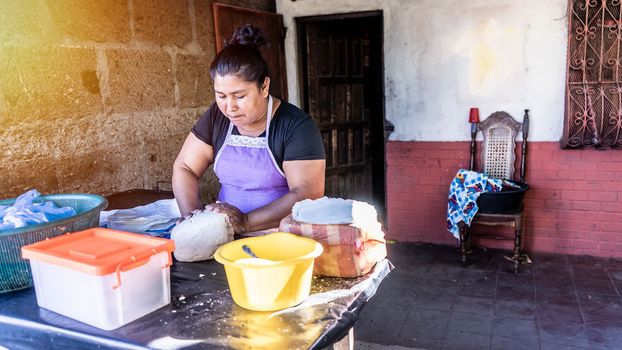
(201,315)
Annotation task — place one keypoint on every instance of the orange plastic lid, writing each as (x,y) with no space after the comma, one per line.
(98,251)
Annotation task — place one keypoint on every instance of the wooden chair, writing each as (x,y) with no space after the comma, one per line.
(505,207)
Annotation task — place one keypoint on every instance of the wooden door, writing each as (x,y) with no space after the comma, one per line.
(228,18)
(342,76)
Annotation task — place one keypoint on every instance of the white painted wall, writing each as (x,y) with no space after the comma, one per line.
(442,57)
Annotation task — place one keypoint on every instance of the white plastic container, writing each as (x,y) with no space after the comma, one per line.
(104,278)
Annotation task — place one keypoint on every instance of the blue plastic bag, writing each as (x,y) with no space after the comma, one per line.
(24,212)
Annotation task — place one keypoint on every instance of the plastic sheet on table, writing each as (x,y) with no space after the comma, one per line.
(155,219)
(202,315)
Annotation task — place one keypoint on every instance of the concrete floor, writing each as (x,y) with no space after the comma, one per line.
(431,302)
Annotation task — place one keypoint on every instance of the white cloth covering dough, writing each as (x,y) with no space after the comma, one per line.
(327,211)
(198,237)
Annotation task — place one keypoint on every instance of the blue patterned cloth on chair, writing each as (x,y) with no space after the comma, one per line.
(462,201)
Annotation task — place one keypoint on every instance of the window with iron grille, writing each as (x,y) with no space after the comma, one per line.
(593,115)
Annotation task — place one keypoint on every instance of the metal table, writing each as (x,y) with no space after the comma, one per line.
(201,315)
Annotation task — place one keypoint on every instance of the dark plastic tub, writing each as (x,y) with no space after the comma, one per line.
(506,201)
(15,271)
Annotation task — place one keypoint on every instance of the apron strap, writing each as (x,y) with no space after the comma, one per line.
(269,116)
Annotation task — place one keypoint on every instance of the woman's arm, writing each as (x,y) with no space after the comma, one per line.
(193,159)
(305,179)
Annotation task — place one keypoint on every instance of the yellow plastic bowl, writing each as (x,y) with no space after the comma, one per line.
(274,285)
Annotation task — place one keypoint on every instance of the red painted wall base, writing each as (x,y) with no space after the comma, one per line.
(574,204)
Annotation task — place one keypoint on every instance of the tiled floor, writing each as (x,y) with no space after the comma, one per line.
(430,301)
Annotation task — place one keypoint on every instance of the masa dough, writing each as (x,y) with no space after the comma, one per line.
(198,237)
(336,211)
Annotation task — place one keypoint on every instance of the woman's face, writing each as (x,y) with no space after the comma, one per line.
(243,102)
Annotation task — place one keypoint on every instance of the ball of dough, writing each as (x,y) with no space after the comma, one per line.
(198,237)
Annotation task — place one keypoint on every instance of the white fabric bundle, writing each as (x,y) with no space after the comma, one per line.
(198,237)
(156,217)
(328,211)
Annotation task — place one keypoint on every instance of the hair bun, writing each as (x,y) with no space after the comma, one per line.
(248,35)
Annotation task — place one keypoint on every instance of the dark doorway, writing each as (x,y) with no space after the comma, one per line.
(342,88)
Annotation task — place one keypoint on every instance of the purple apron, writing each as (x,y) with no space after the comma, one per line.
(248,173)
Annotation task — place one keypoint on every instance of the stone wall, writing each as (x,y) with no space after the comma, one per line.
(98,96)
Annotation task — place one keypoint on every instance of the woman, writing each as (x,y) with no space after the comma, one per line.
(267,153)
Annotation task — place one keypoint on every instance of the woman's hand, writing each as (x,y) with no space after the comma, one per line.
(187,216)
(238,220)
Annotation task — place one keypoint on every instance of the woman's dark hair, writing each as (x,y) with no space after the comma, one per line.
(241,56)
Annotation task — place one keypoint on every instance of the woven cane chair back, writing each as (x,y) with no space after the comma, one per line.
(498,157)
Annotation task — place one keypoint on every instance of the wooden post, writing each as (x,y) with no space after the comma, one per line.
(473,135)
(523,163)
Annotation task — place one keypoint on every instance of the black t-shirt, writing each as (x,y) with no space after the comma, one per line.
(293,134)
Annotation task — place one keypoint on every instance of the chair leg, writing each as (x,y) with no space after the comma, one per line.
(518,250)
(463,237)
(465,241)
